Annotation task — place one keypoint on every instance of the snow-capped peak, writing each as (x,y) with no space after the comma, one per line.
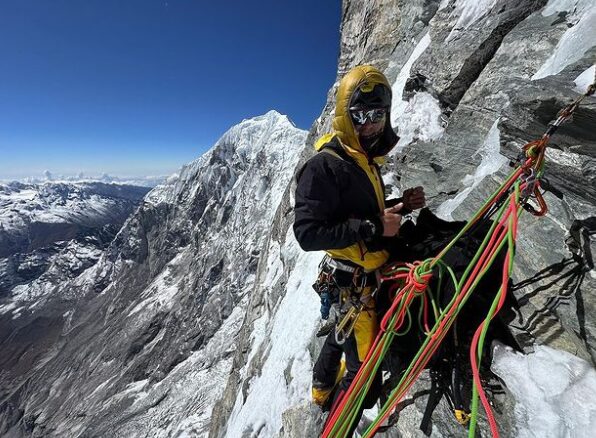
(268,138)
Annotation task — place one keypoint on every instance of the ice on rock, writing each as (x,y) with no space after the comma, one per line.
(584,80)
(420,117)
(421,120)
(576,40)
(491,161)
(399,106)
(469,12)
(555,392)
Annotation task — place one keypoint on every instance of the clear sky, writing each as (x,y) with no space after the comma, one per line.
(140,87)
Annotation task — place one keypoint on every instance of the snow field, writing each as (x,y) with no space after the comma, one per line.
(555,392)
(290,333)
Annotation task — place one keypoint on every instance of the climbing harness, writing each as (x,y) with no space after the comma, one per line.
(348,293)
(411,283)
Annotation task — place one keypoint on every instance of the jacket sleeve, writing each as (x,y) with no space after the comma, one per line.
(316,226)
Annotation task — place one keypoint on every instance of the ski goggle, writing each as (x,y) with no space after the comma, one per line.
(361,116)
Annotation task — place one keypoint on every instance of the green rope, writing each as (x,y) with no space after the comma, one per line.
(458,286)
(343,424)
(480,348)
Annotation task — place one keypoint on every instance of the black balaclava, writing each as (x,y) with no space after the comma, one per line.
(370,143)
(378,97)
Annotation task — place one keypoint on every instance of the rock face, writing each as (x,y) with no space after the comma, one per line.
(198,319)
(500,74)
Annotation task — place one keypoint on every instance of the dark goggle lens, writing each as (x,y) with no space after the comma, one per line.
(374,115)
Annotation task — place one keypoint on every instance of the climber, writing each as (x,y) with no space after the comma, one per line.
(341,208)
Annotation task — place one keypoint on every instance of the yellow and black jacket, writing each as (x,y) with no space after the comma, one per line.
(340,189)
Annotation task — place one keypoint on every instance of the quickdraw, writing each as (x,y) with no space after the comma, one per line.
(355,299)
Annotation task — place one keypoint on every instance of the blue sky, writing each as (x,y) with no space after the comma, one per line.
(140,87)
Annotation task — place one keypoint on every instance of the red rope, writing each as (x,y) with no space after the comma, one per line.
(512,216)
(442,330)
(414,286)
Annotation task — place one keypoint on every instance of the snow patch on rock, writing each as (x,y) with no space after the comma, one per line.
(576,40)
(421,120)
(491,161)
(468,13)
(549,386)
(399,106)
(584,80)
(420,117)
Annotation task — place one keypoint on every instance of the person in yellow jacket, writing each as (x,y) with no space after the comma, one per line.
(341,209)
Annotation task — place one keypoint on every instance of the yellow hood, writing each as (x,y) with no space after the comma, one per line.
(343,126)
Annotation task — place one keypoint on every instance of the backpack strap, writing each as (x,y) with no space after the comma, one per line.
(446,380)
(437,389)
(330,151)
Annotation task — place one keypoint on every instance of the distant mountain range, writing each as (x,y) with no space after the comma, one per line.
(142,181)
(51,232)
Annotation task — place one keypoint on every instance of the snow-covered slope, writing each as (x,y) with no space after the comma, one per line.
(50,233)
(152,341)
